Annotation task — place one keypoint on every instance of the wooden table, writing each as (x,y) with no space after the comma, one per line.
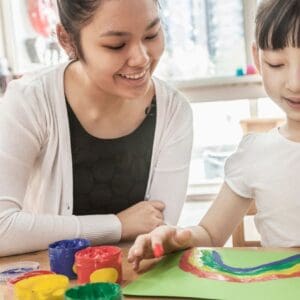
(42,257)
(128,274)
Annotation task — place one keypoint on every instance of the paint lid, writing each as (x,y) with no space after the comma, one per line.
(95,291)
(16,269)
(99,254)
(74,244)
(51,286)
(14,280)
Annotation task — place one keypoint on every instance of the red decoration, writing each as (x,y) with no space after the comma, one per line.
(39,16)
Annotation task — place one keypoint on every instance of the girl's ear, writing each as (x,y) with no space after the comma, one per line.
(65,41)
(255,54)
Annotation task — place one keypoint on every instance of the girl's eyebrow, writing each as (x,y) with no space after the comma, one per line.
(124,33)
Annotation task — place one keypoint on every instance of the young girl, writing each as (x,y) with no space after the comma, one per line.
(266,165)
(83,145)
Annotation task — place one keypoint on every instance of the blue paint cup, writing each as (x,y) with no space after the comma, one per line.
(62,255)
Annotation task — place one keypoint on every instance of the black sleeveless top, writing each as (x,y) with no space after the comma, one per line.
(110,175)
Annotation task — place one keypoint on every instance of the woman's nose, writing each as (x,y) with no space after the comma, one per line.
(139,56)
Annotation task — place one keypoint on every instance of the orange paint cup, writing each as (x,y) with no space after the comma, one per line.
(99,264)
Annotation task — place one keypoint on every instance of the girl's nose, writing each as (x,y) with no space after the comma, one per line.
(139,56)
(293,81)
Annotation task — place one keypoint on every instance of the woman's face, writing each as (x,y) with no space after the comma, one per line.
(122,46)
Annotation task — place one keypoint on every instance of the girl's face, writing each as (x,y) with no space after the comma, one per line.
(280,70)
(122,46)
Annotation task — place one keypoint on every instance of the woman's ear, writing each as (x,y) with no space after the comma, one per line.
(65,41)
(255,54)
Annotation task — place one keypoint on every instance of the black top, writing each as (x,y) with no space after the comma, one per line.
(110,175)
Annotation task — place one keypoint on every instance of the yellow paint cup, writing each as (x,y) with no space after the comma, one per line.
(43,287)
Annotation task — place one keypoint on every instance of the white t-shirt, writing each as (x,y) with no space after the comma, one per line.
(266,167)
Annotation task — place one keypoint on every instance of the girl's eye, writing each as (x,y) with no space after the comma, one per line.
(119,47)
(151,37)
(275,66)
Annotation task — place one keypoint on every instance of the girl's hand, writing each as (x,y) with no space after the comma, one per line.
(160,241)
(141,218)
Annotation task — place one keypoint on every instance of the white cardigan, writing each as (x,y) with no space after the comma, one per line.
(36,181)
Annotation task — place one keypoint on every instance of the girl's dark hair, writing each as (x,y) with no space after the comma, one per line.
(278,24)
(74,15)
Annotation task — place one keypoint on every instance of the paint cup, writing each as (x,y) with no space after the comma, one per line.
(99,264)
(46,287)
(62,255)
(11,282)
(95,291)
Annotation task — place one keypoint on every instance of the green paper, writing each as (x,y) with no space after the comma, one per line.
(166,279)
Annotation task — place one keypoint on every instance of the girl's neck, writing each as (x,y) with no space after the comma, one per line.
(291,130)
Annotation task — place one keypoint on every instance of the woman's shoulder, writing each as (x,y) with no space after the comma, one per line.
(35,79)
(36,88)
(170,97)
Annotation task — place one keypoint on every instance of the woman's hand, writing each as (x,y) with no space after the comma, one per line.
(141,218)
(161,240)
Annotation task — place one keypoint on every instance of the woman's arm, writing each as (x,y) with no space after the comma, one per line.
(23,138)
(171,169)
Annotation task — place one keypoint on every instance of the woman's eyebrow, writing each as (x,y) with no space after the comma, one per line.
(124,33)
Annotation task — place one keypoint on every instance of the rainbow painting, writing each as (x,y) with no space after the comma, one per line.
(223,274)
(209,264)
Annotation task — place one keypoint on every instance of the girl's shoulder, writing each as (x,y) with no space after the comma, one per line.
(259,142)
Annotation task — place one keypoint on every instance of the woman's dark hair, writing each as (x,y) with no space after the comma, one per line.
(74,15)
(278,24)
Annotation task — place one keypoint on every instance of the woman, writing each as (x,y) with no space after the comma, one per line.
(94,148)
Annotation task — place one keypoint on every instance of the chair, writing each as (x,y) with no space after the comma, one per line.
(252,125)
(238,236)
(260,124)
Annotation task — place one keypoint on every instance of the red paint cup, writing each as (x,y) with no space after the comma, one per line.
(98,260)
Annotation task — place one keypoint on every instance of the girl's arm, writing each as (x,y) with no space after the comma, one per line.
(223,216)
(213,231)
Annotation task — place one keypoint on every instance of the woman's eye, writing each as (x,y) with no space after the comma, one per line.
(151,37)
(118,47)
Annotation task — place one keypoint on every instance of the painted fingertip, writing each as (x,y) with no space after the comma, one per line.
(135,265)
(136,252)
(158,250)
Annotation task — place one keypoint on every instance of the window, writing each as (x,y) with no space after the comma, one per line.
(29,30)
(201,39)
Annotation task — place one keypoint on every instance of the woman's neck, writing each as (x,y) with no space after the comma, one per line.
(103,115)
